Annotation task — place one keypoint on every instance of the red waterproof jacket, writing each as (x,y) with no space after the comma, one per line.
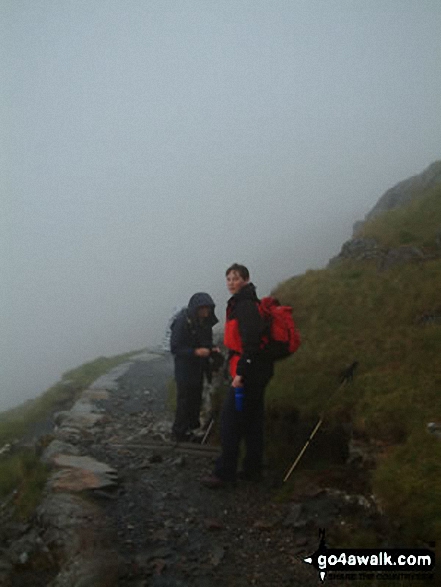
(244,328)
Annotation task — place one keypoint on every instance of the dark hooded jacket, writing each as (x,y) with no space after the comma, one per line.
(245,324)
(188,333)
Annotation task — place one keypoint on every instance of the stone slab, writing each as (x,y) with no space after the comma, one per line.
(95,395)
(81,473)
(76,480)
(81,420)
(57,447)
(86,463)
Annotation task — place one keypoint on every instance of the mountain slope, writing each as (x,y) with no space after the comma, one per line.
(387,316)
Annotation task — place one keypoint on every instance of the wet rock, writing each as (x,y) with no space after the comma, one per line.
(179,462)
(435,429)
(327,508)
(60,417)
(78,532)
(21,549)
(429,318)
(97,571)
(399,256)
(80,473)
(82,462)
(57,447)
(5,449)
(321,511)
(95,395)
(217,555)
(84,406)
(360,249)
(69,435)
(81,420)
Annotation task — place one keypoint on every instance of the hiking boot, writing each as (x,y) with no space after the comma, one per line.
(215,482)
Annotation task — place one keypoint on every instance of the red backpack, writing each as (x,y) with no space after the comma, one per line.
(282,338)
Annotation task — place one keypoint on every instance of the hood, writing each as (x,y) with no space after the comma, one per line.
(202,299)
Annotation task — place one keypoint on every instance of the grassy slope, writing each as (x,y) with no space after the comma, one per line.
(16,422)
(352,312)
(22,470)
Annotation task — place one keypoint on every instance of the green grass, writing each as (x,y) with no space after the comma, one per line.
(353,312)
(409,481)
(415,224)
(22,470)
(25,474)
(18,421)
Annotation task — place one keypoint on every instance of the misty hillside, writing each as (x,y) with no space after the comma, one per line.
(377,303)
(406,191)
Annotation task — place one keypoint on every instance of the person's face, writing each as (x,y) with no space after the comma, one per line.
(235,282)
(203,311)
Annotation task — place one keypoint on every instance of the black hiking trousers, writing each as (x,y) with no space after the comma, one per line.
(247,425)
(188,407)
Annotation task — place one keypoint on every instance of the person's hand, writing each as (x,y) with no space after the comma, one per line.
(215,349)
(237,381)
(202,352)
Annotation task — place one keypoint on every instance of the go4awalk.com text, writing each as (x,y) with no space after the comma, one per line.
(372,563)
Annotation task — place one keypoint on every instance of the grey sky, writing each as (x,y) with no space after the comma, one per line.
(149,144)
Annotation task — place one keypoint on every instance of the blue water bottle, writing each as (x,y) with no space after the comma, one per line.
(238,398)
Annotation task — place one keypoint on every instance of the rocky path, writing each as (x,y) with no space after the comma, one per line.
(124,505)
(171,531)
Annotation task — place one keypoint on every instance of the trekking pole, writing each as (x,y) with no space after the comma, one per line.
(345,377)
(299,456)
(207,433)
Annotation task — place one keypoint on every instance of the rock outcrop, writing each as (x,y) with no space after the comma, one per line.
(403,192)
(364,249)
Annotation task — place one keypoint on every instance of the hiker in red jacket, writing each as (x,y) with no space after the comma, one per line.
(250,369)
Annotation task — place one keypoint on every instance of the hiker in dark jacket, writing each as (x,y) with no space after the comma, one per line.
(191,344)
(250,369)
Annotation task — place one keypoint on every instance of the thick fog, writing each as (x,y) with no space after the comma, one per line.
(147,145)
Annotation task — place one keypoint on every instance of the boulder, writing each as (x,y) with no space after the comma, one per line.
(79,534)
(399,256)
(359,249)
(57,447)
(81,473)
